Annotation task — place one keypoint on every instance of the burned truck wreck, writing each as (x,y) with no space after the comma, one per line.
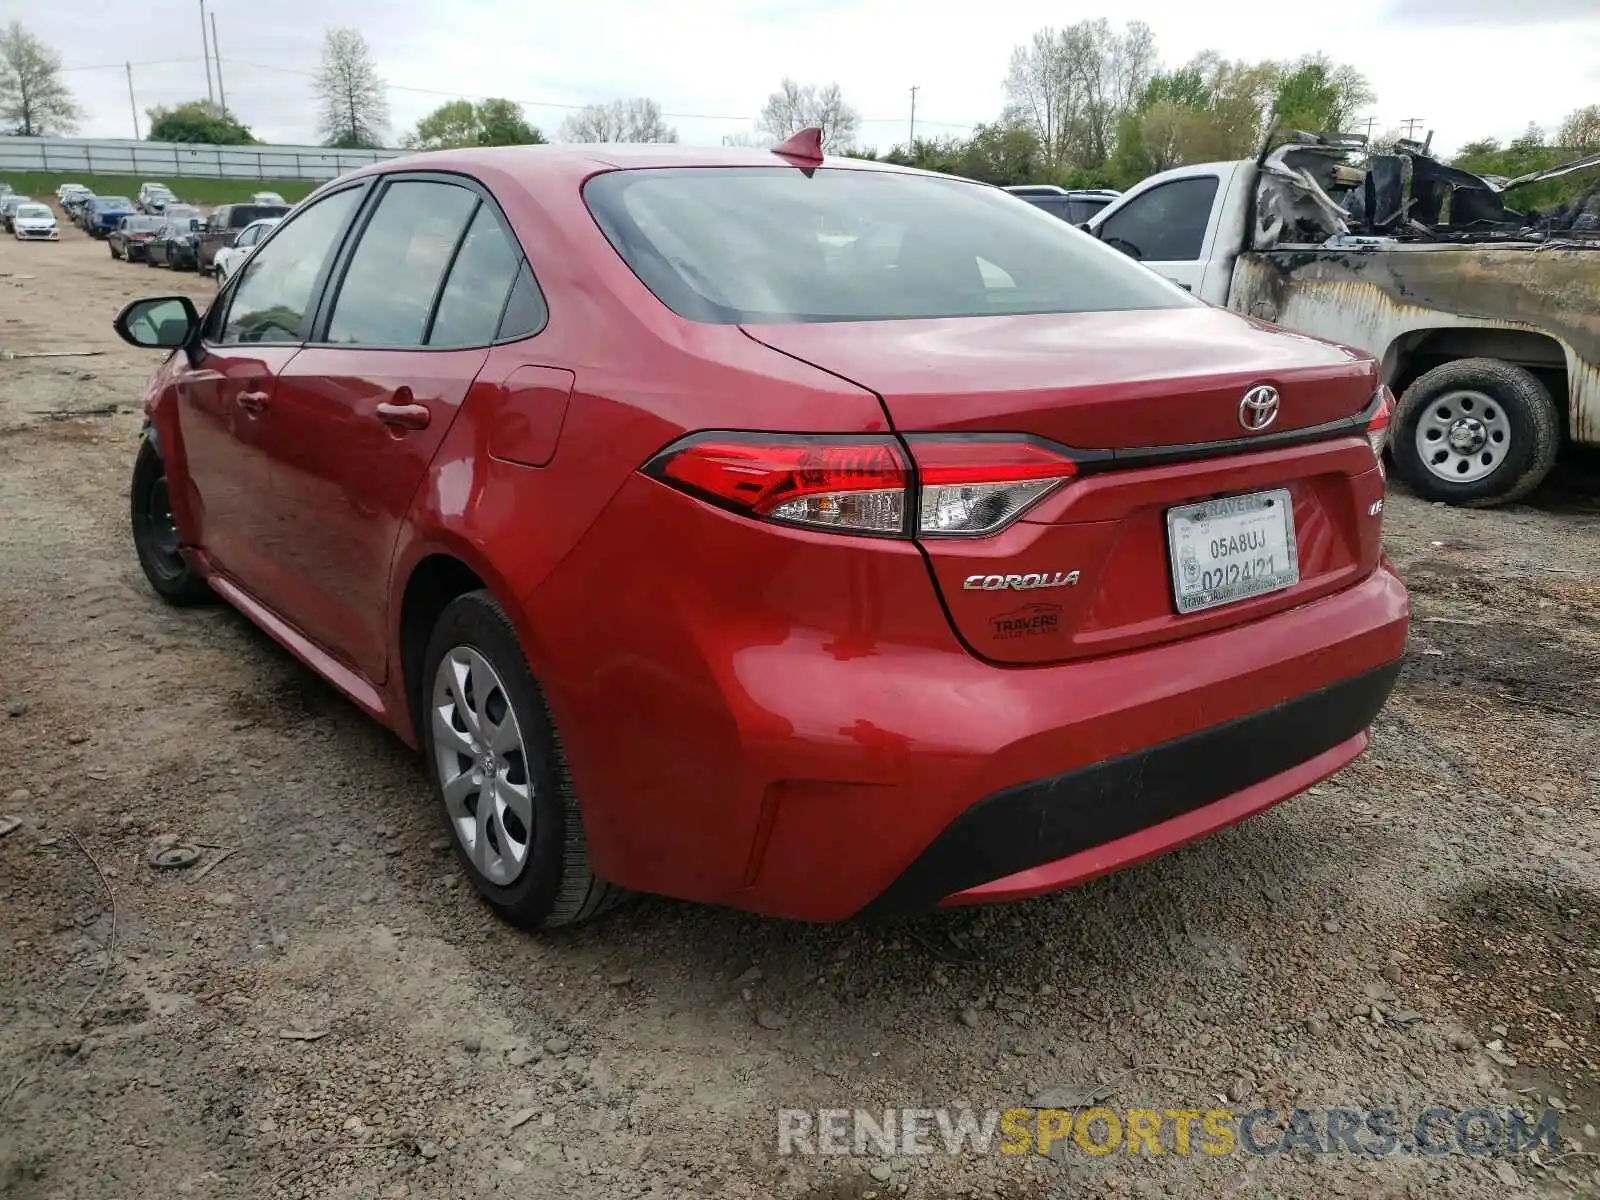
(1485,314)
(1310,192)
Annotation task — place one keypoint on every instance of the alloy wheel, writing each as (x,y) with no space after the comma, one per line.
(482,763)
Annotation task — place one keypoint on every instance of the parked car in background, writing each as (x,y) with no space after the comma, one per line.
(9,204)
(224,224)
(1050,580)
(1073,205)
(269,198)
(63,189)
(229,257)
(103,212)
(176,245)
(32,221)
(154,198)
(131,239)
(75,199)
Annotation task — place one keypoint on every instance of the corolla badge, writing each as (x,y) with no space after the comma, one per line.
(1258,408)
(1020,583)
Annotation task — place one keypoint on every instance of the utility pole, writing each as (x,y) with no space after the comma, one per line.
(1371,121)
(132,104)
(911,141)
(222,93)
(1411,124)
(205,50)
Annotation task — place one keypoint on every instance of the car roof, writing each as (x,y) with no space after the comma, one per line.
(569,163)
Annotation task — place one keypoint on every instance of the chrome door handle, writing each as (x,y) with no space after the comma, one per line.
(403,416)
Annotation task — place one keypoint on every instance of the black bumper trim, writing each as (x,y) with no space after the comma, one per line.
(1037,823)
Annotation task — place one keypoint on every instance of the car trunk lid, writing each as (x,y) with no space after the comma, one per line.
(1154,403)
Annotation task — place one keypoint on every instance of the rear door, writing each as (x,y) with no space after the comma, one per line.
(360,413)
(225,403)
(1169,227)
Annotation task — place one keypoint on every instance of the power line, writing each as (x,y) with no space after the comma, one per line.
(566,107)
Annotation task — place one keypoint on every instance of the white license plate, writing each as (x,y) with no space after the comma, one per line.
(1231,549)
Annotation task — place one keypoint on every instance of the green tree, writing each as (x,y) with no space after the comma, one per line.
(501,123)
(352,99)
(460,123)
(33,100)
(197,121)
(1319,96)
(1001,154)
(1581,130)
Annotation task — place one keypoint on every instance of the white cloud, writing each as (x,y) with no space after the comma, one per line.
(714,63)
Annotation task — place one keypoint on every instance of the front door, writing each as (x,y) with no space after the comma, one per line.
(226,418)
(1166,228)
(362,410)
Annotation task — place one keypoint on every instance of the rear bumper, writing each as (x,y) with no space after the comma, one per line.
(779,724)
(1042,836)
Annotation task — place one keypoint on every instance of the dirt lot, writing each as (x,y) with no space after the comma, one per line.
(329,1013)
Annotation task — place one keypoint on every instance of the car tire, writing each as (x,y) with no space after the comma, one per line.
(474,650)
(155,534)
(1477,432)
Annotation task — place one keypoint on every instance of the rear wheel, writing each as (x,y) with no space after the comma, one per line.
(1476,431)
(498,770)
(155,534)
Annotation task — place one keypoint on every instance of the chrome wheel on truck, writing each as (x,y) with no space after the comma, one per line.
(1476,431)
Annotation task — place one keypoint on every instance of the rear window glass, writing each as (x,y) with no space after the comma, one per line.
(770,244)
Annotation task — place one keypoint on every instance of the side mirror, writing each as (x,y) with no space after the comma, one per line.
(162,323)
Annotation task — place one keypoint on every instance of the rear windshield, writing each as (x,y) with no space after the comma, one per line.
(113,202)
(763,245)
(142,224)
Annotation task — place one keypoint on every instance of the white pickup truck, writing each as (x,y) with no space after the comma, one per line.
(1486,320)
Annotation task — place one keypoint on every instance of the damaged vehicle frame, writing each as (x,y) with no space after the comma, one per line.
(1485,317)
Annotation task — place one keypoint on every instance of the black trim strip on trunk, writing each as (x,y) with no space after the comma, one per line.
(1154,455)
(1037,823)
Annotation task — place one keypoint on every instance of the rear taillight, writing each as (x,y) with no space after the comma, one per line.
(856,486)
(1378,427)
(960,487)
(972,487)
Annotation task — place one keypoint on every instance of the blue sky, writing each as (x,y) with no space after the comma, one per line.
(1470,68)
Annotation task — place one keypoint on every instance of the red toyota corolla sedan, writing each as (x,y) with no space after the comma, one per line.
(814,537)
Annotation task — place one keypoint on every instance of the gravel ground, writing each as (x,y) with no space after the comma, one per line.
(320,1008)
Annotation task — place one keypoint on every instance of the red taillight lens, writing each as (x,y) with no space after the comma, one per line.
(852,485)
(975,486)
(965,486)
(1378,427)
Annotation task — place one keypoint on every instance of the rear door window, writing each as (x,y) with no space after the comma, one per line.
(480,281)
(393,278)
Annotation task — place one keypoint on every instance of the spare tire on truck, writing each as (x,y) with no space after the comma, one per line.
(1475,431)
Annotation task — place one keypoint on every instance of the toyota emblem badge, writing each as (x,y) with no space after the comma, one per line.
(1259,408)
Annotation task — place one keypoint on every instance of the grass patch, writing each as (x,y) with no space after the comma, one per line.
(42,185)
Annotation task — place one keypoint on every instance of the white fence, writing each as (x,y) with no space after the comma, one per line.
(164,160)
